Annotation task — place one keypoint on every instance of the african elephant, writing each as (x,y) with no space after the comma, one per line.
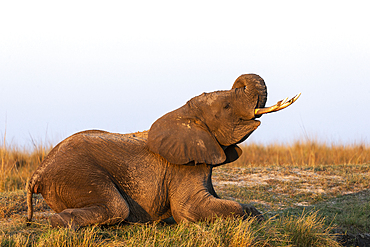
(97,177)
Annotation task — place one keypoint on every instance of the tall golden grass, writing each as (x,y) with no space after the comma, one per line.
(18,164)
(301,153)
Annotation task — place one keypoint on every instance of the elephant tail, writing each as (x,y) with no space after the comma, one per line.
(29,190)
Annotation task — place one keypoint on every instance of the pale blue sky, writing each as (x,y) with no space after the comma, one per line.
(120,65)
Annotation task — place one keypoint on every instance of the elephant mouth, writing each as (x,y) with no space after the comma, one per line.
(255,122)
(243,130)
(277,107)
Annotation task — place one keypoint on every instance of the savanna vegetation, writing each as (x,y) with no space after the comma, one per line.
(312,194)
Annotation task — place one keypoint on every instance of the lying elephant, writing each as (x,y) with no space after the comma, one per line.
(97,177)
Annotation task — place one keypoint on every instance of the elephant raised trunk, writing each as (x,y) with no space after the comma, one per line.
(254,85)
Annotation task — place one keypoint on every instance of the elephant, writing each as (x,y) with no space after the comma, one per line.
(97,177)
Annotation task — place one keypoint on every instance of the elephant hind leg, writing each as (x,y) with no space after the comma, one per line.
(115,210)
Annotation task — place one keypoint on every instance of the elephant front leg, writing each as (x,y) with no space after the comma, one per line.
(204,206)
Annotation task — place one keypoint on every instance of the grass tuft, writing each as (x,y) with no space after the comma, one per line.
(85,237)
(306,230)
(18,164)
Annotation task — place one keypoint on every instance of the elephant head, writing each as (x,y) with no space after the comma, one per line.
(208,127)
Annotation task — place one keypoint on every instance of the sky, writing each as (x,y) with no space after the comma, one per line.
(69,66)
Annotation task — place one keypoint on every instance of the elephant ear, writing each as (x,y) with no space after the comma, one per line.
(181,140)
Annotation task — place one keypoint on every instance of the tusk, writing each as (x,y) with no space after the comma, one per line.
(277,107)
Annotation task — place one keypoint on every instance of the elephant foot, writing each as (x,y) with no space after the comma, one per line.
(251,211)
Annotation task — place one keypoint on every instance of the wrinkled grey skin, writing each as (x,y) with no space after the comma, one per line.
(97,177)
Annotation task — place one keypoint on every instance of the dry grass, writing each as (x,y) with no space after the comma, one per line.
(300,153)
(18,164)
(305,230)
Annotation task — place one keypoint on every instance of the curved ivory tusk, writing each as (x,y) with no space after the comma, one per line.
(277,107)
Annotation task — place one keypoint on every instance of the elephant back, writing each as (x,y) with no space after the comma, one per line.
(143,135)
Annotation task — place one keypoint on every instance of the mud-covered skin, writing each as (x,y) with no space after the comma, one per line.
(101,176)
(114,191)
(97,177)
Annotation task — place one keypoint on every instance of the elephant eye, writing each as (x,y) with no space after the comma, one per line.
(227,106)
